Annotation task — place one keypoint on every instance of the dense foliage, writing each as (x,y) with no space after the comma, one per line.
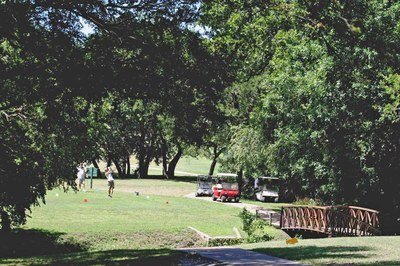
(312,94)
(68,98)
(321,112)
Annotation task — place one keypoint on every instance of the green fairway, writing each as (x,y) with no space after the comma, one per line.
(161,187)
(336,251)
(127,213)
(91,227)
(195,165)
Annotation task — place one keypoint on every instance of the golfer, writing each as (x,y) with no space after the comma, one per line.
(81,177)
(110,180)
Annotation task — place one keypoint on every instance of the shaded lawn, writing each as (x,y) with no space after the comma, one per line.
(113,257)
(336,251)
(41,248)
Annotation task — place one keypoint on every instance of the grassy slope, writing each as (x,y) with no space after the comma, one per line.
(127,213)
(126,228)
(113,227)
(336,251)
(160,187)
(267,205)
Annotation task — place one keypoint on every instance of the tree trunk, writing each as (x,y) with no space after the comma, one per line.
(119,169)
(212,167)
(5,222)
(216,154)
(123,167)
(143,169)
(164,162)
(240,180)
(94,162)
(128,166)
(173,163)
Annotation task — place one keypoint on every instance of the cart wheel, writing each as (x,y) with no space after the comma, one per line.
(223,198)
(214,198)
(237,199)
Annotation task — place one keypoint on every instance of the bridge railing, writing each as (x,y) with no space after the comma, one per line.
(332,220)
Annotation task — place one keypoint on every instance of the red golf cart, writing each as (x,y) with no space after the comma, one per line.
(226,188)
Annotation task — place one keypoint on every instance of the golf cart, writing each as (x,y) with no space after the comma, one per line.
(267,188)
(226,188)
(203,187)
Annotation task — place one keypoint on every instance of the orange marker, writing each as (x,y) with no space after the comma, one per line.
(292,241)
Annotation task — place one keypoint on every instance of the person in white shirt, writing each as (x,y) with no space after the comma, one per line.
(81,177)
(110,180)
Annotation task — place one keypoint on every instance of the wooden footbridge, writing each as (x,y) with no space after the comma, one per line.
(331,220)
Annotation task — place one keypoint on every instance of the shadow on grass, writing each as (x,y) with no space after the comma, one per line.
(381,263)
(41,247)
(338,255)
(166,257)
(33,242)
(315,252)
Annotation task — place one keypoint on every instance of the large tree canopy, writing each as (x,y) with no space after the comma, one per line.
(56,84)
(315,98)
(324,79)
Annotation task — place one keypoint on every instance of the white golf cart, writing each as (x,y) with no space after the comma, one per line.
(267,188)
(203,186)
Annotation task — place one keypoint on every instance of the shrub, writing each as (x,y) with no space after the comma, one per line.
(254,228)
(306,201)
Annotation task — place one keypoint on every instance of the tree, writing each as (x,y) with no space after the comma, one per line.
(52,75)
(327,71)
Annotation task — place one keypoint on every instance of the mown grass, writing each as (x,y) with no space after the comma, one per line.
(336,251)
(94,229)
(144,230)
(162,187)
(128,213)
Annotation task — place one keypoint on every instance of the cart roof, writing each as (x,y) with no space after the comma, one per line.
(268,177)
(226,174)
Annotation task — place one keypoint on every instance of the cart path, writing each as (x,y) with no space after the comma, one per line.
(250,207)
(238,257)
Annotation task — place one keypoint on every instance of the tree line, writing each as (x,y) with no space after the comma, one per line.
(304,90)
